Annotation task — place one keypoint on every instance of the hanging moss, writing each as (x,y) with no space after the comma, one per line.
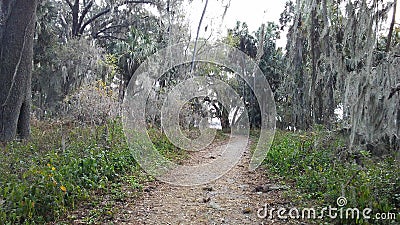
(333,53)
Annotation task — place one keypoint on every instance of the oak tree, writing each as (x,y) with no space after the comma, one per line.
(17,24)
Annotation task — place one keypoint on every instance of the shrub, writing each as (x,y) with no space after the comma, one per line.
(310,161)
(93,104)
(41,179)
(64,164)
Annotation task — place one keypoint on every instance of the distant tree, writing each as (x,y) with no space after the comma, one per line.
(335,61)
(261,47)
(105,40)
(87,13)
(17,24)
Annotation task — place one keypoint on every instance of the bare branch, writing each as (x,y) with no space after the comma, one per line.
(69,3)
(75,15)
(197,36)
(391,27)
(226,9)
(105,11)
(84,12)
(110,27)
(394,90)
(108,9)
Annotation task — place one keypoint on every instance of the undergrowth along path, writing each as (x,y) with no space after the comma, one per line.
(235,198)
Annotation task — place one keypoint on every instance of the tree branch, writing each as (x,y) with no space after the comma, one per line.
(110,27)
(108,9)
(75,15)
(391,27)
(69,3)
(105,11)
(111,37)
(84,12)
(394,90)
(197,37)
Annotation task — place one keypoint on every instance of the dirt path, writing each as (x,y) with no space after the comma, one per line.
(233,199)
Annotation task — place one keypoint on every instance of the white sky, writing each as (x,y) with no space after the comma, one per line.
(253,12)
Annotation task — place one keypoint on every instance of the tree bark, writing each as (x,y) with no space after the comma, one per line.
(17,26)
(197,37)
(391,26)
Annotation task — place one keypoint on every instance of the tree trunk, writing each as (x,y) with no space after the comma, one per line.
(314,98)
(75,17)
(389,38)
(225,120)
(17,24)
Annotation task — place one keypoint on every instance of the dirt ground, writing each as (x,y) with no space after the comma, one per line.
(235,198)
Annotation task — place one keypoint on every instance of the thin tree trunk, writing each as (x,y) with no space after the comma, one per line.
(329,102)
(16,53)
(75,15)
(197,37)
(315,92)
(391,27)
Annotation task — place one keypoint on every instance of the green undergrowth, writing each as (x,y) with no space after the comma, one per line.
(165,147)
(63,165)
(321,169)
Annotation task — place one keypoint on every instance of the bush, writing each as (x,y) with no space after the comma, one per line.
(60,69)
(64,164)
(42,178)
(310,161)
(92,104)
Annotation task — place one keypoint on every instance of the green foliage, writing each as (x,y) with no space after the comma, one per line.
(130,53)
(165,147)
(261,47)
(64,164)
(310,161)
(60,69)
(93,103)
(40,179)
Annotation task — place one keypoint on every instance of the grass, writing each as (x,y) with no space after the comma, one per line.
(165,147)
(315,164)
(64,165)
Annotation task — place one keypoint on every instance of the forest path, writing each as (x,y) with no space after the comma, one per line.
(232,199)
